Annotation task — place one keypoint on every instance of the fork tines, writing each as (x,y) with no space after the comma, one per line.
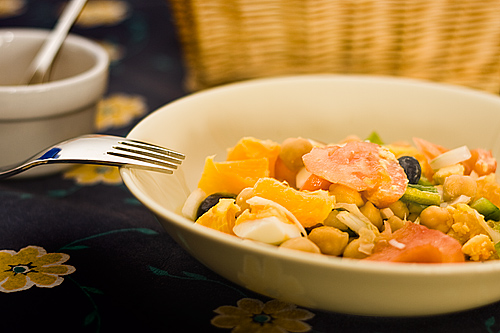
(159,156)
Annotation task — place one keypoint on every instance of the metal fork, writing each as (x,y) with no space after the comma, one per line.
(102,150)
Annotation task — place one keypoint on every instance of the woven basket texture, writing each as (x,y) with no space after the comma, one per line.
(451,41)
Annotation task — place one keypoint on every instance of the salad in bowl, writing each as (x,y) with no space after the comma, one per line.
(363,199)
(278,196)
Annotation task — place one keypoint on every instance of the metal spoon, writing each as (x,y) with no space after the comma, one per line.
(38,70)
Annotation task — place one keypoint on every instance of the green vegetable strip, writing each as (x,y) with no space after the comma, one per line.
(416,208)
(487,209)
(427,188)
(424,181)
(422,197)
(495,216)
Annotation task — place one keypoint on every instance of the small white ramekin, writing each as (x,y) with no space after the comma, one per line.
(33,117)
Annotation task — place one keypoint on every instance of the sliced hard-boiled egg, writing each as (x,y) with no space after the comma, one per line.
(192,203)
(270,230)
(268,222)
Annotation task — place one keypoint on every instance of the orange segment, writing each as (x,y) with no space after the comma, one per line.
(314,182)
(429,149)
(251,148)
(283,173)
(309,208)
(232,176)
(220,217)
(481,162)
(488,187)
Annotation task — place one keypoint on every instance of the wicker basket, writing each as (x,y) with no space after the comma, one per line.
(452,41)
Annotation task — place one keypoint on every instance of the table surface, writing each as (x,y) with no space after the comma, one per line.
(114,267)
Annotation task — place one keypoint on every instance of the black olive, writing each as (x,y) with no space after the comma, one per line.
(411,167)
(211,201)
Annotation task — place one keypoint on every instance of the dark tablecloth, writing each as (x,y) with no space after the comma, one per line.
(114,269)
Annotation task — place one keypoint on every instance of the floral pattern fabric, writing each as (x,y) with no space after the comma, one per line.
(78,253)
(31,266)
(252,315)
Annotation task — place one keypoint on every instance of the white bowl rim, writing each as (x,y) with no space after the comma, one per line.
(374,267)
(101,65)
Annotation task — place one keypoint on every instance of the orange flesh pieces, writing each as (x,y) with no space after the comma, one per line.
(309,208)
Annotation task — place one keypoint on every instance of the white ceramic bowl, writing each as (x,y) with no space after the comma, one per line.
(36,116)
(326,108)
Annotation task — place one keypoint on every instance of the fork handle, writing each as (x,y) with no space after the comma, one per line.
(13,170)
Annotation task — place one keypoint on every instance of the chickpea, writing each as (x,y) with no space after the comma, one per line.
(412,217)
(330,240)
(400,209)
(415,208)
(457,185)
(443,173)
(372,213)
(346,195)
(292,150)
(435,217)
(332,221)
(301,244)
(395,222)
(352,250)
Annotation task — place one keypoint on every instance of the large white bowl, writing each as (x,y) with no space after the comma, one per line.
(326,108)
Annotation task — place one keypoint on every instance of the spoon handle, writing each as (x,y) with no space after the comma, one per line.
(39,67)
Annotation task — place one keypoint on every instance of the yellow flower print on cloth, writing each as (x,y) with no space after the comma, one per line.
(103,12)
(115,51)
(32,266)
(9,8)
(252,315)
(119,110)
(87,174)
